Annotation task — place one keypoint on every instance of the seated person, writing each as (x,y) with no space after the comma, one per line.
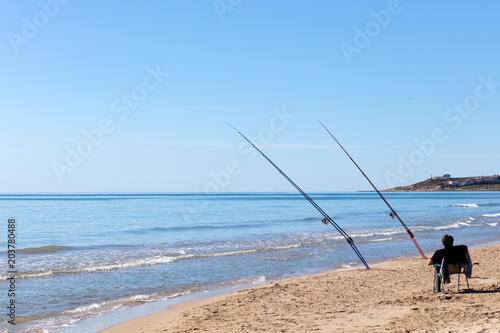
(437,257)
(453,255)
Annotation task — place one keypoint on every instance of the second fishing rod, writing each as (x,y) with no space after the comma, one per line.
(380,194)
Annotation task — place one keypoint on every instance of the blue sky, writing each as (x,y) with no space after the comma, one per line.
(134,97)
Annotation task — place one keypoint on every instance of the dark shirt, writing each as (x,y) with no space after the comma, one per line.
(437,257)
(454,254)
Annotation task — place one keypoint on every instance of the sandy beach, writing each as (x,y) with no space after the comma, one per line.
(393,296)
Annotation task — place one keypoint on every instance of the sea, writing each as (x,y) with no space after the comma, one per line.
(82,259)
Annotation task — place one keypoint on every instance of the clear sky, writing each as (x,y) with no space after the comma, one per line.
(129,96)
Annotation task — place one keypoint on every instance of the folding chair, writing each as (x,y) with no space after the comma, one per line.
(452,269)
(457,261)
(458,269)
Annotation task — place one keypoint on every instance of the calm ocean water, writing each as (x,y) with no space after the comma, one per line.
(84,255)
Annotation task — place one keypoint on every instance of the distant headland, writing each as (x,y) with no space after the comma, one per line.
(448,183)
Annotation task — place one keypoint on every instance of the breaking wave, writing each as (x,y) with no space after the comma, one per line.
(471,205)
(382,239)
(141,262)
(491,215)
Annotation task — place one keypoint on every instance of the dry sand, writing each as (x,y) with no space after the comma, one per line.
(394,296)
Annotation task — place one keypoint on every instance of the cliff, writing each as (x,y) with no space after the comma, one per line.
(447,183)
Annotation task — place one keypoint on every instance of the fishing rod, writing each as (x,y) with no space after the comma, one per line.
(394,214)
(325,215)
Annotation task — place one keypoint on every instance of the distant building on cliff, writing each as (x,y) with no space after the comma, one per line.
(445,176)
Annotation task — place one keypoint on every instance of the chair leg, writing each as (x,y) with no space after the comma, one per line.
(458,285)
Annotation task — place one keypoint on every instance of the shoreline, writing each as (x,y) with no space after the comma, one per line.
(199,313)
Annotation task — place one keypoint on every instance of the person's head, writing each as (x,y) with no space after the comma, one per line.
(447,241)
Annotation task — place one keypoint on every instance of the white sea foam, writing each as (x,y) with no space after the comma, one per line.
(390,232)
(284,247)
(178,295)
(446,227)
(260,279)
(464,223)
(73,316)
(240,252)
(99,268)
(221,254)
(467,222)
(345,266)
(86,308)
(471,205)
(491,215)
(35,274)
(382,239)
(252,280)
(130,264)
